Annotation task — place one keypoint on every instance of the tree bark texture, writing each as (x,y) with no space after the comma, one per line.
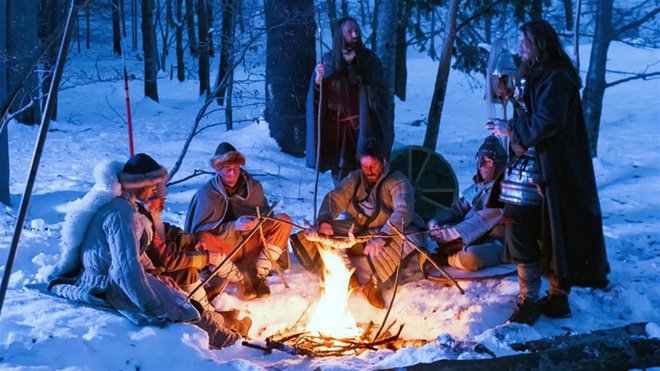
(116,32)
(4,89)
(594,89)
(190,26)
(20,47)
(180,64)
(386,37)
(203,47)
(290,58)
(401,68)
(149,49)
(226,43)
(440,91)
(51,13)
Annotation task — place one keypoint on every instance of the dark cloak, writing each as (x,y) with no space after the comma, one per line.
(572,220)
(375,109)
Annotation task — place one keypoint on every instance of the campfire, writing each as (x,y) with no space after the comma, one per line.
(332,329)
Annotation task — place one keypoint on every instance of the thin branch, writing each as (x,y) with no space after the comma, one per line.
(477,14)
(634,24)
(643,76)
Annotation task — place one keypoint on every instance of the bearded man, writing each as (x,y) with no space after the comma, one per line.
(371,198)
(355,103)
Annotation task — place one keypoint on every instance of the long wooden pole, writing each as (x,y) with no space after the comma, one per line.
(36,157)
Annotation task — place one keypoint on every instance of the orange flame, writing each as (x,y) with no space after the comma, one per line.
(331,316)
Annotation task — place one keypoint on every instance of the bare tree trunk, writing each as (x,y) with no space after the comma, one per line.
(210,27)
(438,100)
(290,56)
(116,32)
(401,69)
(203,65)
(180,64)
(536,11)
(134,36)
(20,45)
(4,97)
(229,109)
(386,36)
(149,49)
(123,17)
(344,8)
(87,25)
(190,23)
(51,13)
(568,13)
(594,89)
(332,14)
(576,33)
(226,43)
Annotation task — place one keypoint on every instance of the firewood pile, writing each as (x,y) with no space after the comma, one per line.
(318,345)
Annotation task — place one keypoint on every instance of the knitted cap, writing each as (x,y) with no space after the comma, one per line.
(140,171)
(226,154)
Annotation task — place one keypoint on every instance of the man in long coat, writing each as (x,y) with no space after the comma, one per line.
(568,222)
(355,103)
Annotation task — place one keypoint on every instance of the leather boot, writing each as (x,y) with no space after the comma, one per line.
(354,282)
(245,289)
(231,321)
(526,312)
(260,287)
(219,335)
(555,306)
(374,294)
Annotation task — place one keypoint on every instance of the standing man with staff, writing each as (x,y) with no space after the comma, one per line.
(355,104)
(553,218)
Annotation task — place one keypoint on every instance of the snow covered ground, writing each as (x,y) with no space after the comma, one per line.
(41,332)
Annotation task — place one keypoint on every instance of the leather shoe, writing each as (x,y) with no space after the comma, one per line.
(374,294)
(260,287)
(526,312)
(555,306)
(245,290)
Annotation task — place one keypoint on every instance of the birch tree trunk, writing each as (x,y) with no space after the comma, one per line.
(440,91)
(594,89)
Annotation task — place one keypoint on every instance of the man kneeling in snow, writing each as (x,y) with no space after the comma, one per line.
(103,261)
(468,234)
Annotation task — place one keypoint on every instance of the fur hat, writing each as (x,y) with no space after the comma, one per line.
(141,171)
(226,154)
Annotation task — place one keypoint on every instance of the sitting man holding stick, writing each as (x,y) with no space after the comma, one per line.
(375,199)
(223,213)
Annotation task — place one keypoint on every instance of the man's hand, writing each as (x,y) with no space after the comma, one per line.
(326,229)
(320,71)
(245,223)
(215,258)
(445,234)
(498,127)
(373,247)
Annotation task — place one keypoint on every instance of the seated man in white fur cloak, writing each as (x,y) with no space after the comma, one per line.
(103,261)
